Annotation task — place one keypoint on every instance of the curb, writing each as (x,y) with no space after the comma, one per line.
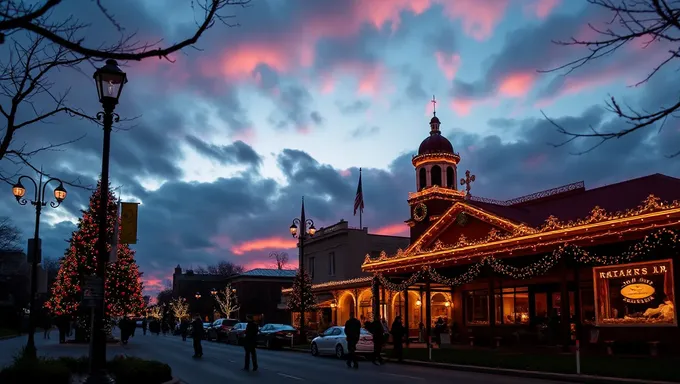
(573,378)
(8,337)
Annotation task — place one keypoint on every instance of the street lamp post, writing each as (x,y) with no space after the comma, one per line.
(110,80)
(300,228)
(38,201)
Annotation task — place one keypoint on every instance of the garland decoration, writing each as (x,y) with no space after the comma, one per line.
(663,239)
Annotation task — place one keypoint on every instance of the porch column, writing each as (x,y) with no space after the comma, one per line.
(565,321)
(406,315)
(375,293)
(452,309)
(577,302)
(356,303)
(383,307)
(428,313)
(492,302)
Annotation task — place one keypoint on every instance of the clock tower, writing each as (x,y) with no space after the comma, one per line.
(436,166)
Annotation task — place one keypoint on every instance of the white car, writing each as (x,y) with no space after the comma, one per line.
(334,342)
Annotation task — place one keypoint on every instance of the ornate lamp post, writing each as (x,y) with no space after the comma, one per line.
(38,201)
(110,80)
(213,291)
(300,228)
(198,296)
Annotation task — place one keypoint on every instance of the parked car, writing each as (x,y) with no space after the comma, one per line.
(276,335)
(219,328)
(236,334)
(334,342)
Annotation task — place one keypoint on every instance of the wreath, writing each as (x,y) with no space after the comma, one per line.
(419,212)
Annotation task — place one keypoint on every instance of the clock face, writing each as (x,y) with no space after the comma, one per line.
(419,212)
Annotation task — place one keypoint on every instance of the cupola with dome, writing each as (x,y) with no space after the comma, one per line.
(436,166)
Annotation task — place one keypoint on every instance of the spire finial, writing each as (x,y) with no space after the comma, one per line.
(434,105)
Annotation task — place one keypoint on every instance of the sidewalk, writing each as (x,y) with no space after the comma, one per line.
(586,379)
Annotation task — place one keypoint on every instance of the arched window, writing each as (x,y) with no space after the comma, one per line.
(422,178)
(436,175)
(450,179)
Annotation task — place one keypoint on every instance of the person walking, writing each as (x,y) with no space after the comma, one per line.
(249,344)
(197,335)
(183,329)
(377,330)
(144,325)
(353,332)
(398,331)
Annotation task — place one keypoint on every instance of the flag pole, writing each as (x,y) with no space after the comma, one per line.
(361,209)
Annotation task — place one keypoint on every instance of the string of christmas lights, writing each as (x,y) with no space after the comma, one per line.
(663,239)
(179,308)
(123,287)
(302,293)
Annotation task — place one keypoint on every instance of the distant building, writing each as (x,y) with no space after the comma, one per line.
(258,292)
(333,259)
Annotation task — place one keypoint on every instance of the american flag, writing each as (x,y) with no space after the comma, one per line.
(359,199)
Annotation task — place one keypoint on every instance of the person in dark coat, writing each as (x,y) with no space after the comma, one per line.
(124,326)
(63,326)
(144,325)
(353,333)
(166,327)
(398,331)
(249,344)
(184,329)
(197,335)
(376,329)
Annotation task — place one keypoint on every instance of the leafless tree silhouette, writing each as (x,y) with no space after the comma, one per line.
(27,98)
(281,259)
(655,21)
(9,235)
(38,18)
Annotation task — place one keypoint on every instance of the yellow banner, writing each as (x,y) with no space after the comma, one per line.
(128,223)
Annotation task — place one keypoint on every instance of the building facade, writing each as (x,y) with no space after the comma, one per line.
(333,258)
(258,292)
(564,264)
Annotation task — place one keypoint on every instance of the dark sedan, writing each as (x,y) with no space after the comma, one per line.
(236,334)
(220,328)
(276,335)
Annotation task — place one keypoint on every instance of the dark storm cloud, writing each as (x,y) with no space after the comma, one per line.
(364,131)
(236,153)
(294,103)
(357,106)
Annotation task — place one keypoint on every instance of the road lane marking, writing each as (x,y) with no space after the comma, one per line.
(290,377)
(404,376)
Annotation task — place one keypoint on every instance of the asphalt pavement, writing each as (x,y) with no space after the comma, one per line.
(223,363)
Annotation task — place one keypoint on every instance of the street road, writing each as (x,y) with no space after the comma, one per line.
(222,363)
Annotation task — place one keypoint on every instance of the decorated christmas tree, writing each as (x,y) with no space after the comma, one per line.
(302,293)
(123,287)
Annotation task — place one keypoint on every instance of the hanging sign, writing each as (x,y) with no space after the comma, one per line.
(128,223)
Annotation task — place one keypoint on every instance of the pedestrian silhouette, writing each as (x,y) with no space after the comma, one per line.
(249,344)
(398,332)
(352,332)
(197,335)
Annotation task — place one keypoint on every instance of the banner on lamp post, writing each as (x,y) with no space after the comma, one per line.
(128,220)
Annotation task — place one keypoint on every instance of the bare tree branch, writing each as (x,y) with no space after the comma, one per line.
(10,236)
(17,15)
(281,259)
(656,21)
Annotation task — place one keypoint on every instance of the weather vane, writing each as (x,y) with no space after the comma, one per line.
(434,105)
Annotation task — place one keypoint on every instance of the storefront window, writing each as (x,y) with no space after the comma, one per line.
(635,294)
(541,306)
(477,307)
(512,306)
(557,303)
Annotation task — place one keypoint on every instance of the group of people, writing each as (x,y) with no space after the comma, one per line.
(378,328)
(65,325)
(249,340)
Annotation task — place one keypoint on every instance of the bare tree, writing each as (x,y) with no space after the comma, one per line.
(654,21)
(225,268)
(227,301)
(39,19)
(281,259)
(27,98)
(164,297)
(10,236)
(179,308)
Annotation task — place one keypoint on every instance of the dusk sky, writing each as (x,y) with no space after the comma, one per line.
(305,92)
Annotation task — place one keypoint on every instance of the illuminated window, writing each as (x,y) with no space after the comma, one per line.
(512,305)
(477,307)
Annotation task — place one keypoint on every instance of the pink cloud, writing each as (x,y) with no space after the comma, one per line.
(541,8)
(479,17)
(516,85)
(463,106)
(267,243)
(448,64)
(345,173)
(398,229)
